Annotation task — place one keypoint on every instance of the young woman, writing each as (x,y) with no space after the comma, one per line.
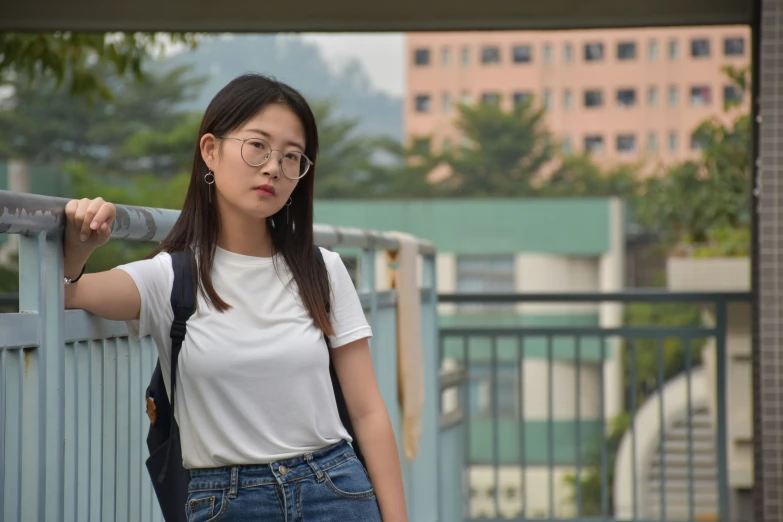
(259,427)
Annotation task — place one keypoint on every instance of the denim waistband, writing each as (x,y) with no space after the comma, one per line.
(278,472)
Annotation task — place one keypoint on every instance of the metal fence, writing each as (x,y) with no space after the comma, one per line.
(72,422)
(609,406)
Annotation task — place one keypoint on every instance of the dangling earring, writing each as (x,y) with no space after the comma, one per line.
(209,179)
(286,209)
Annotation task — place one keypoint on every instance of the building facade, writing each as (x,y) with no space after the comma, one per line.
(621,94)
(520,246)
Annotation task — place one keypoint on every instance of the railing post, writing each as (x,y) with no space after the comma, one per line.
(41,292)
(425,482)
(367,282)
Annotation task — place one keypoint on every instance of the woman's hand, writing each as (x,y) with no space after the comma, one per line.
(87,226)
(88,223)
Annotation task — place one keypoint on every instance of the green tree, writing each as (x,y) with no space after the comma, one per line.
(503,151)
(353,165)
(42,123)
(703,200)
(404,171)
(344,157)
(579,176)
(81,60)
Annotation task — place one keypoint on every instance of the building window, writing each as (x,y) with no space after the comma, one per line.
(568,53)
(594,52)
(490,98)
(464,57)
(548,99)
(652,50)
(626,97)
(594,143)
(547,54)
(700,48)
(446,145)
(465,98)
(594,98)
(445,57)
(626,51)
(522,54)
(652,142)
(674,49)
(674,96)
(490,55)
(421,57)
(696,144)
(446,102)
(626,143)
(485,275)
(652,96)
(565,145)
(423,103)
(734,46)
(673,142)
(568,99)
(700,95)
(521,97)
(731,95)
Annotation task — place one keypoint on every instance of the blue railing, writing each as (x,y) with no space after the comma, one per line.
(72,422)
(607,418)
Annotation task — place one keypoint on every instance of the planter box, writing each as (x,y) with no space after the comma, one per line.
(708,274)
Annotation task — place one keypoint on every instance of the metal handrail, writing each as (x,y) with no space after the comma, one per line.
(624,296)
(27,214)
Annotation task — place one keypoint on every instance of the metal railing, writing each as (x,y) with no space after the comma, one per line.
(585,411)
(72,422)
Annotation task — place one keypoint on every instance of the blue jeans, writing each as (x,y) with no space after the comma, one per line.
(326,485)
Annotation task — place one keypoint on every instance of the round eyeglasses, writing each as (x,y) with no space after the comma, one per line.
(255,152)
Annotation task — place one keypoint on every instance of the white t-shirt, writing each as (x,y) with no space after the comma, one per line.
(253,382)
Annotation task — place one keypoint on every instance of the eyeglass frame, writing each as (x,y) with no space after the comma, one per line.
(269,155)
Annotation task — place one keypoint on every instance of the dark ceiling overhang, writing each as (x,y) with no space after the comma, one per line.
(363,15)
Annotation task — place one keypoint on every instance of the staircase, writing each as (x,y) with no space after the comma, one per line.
(677,489)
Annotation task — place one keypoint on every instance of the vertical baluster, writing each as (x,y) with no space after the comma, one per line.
(602,416)
(3,434)
(466,421)
(493,393)
(550,426)
(722,439)
(635,474)
(578,389)
(689,422)
(522,423)
(661,433)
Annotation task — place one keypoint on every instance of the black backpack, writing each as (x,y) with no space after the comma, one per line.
(169,478)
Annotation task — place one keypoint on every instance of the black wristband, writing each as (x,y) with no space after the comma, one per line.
(72,281)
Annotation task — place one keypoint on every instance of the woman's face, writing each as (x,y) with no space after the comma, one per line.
(256,191)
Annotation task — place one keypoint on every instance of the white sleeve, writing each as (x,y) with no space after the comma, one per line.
(154,278)
(348,319)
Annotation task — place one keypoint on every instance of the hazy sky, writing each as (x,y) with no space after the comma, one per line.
(382,55)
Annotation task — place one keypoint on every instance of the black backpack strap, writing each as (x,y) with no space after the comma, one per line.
(183,304)
(342,407)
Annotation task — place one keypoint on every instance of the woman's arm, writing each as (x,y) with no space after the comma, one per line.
(370,419)
(111,295)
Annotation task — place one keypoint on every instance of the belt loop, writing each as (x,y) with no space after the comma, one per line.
(232,488)
(319,475)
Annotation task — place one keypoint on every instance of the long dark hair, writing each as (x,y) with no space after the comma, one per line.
(199,222)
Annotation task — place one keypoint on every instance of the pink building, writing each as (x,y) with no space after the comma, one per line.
(625,95)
